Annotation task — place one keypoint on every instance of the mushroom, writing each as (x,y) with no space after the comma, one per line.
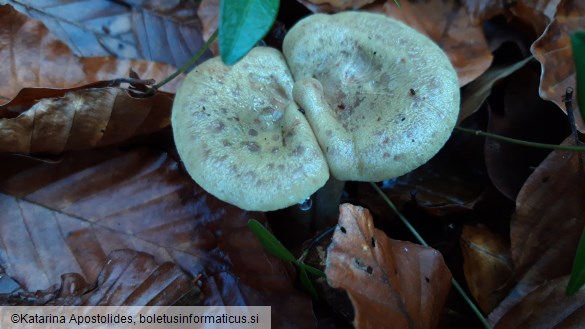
(379,98)
(241,136)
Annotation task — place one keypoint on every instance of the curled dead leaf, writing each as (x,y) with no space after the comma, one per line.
(81,118)
(388,281)
(547,307)
(34,57)
(487,265)
(329,6)
(553,51)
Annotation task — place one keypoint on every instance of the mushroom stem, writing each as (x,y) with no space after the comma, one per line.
(326,204)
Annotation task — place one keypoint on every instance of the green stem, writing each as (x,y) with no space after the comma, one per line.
(521,142)
(187,65)
(424,243)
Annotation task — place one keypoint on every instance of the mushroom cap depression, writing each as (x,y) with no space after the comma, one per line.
(241,136)
(381,98)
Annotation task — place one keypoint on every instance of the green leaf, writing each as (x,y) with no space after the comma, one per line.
(242,23)
(307,283)
(578,272)
(312,270)
(578,44)
(269,241)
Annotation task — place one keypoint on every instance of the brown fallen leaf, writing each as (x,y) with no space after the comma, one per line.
(536,13)
(160,31)
(127,278)
(208,13)
(547,307)
(487,266)
(553,51)
(448,24)
(34,57)
(520,113)
(100,114)
(390,283)
(330,6)
(546,225)
(67,217)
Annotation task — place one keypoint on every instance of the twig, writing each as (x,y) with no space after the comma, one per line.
(187,65)
(570,148)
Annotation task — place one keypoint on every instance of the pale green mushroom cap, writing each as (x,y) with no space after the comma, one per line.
(241,136)
(381,98)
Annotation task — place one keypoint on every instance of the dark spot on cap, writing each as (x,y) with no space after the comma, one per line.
(379,119)
(412,92)
(397,158)
(370,270)
(218,126)
(225,142)
(301,110)
(341,106)
(427,279)
(298,151)
(253,146)
(252,132)
(342,229)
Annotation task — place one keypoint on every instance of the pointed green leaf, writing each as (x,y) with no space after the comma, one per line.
(306,282)
(242,23)
(269,241)
(312,270)
(578,272)
(578,45)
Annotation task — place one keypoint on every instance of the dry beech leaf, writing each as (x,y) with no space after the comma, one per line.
(34,57)
(547,307)
(329,6)
(54,121)
(448,24)
(476,92)
(520,113)
(553,51)
(127,278)
(536,13)
(67,217)
(487,265)
(389,282)
(208,13)
(547,224)
(167,32)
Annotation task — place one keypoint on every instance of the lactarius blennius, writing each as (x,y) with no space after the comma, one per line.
(379,99)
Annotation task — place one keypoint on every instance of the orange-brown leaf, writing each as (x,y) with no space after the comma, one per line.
(547,307)
(389,282)
(159,31)
(487,265)
(546,225)
(329,6)
(67,217)
(34,57)
(553,51)
(80,118)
